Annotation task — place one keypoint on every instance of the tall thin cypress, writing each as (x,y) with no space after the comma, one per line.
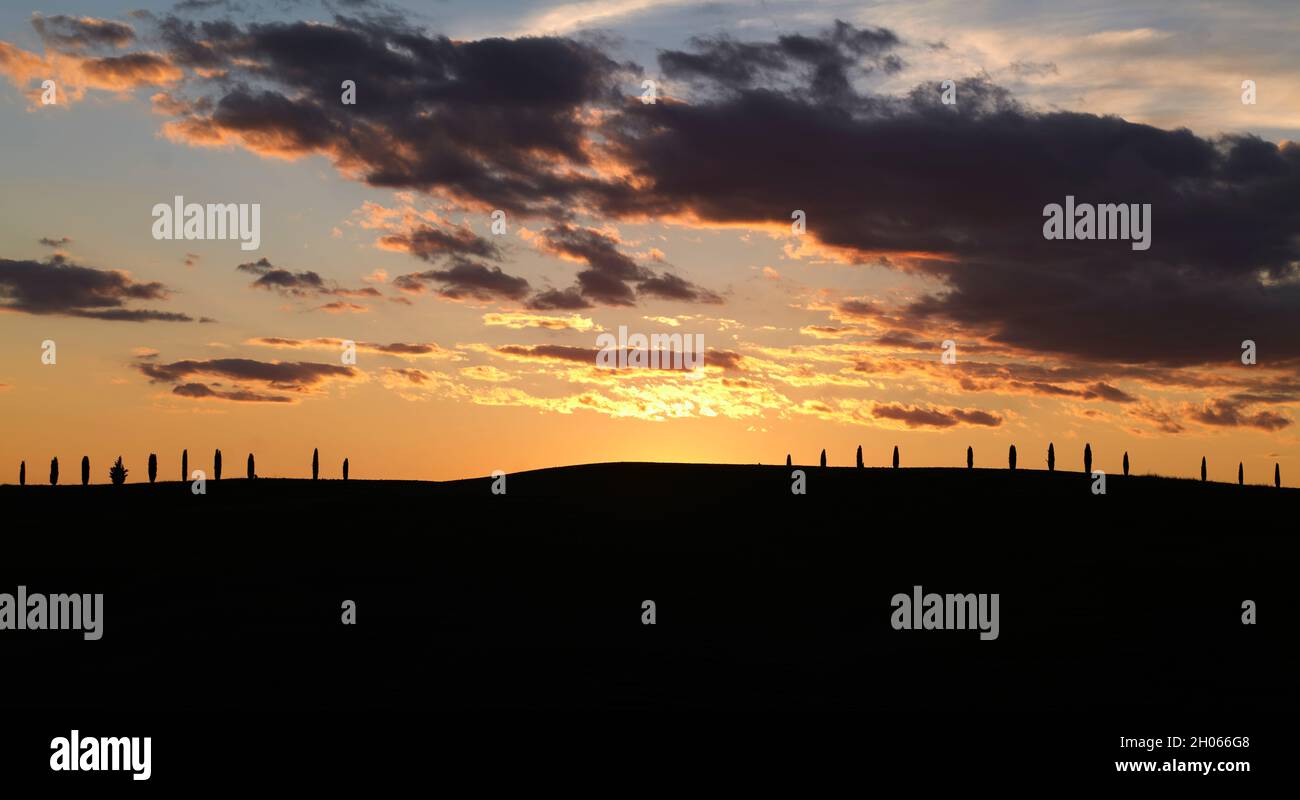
(1202,467)
(859,456)
(315,464)
(153,467)
(895,456)
(970,457)
(823,458)
(251,472)
(22,474)
(185,465)
(1125,462)
(345,469)
(1277,475)
(54,471)
(1241,474)
(216,466)
(1051,457)
(85,470)
(1011,457)
(1087,458)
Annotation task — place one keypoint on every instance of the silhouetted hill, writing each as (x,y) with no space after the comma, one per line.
(765,599)
(639,479)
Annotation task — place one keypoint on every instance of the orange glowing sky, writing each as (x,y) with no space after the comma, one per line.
(810,343)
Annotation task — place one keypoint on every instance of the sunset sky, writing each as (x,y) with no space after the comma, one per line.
(476,350)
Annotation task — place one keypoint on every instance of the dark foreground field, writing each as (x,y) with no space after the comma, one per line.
(1122,611)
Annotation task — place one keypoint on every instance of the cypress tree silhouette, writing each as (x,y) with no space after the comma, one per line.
(859,456)
(216,466)
(117,473)
(1011,457)
(85,470)
(185,465)
(787,460)
(1202,467)
(1241,475)
(823,458)
(1087,459)
(1277,475)
(153,467)
(345,469)
(251,472)
(970,457)
(1051,457)
(895,456)
(1126,462)
(54,471)
(22,474)
(315,464)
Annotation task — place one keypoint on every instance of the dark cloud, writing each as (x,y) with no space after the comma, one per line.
(301,284)
(401,348)
(610,273)
(201,390)
(976,417)
(463,277)
(976,373)
(965,185)
(828,331)
(196,45)
(826,63)
(495,120)
(550,351)
(1271,390)
(466,280)
(672,287)
(728,360)
(858,308)
(1105,391)
(62,241)
(1097,391)
(280,374)
(559,300)
(1163,420)
(277,382)
(204,5)
(903,340)
(929,417)
(430,243)
(342,307)
(612,277)
(394,348)
(58,286)
(270,277)
(1231,414)
(1050,389)
(131,70)
(137,315)
(75,34)
(409,374)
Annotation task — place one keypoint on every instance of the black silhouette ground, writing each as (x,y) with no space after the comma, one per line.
(1120,606)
